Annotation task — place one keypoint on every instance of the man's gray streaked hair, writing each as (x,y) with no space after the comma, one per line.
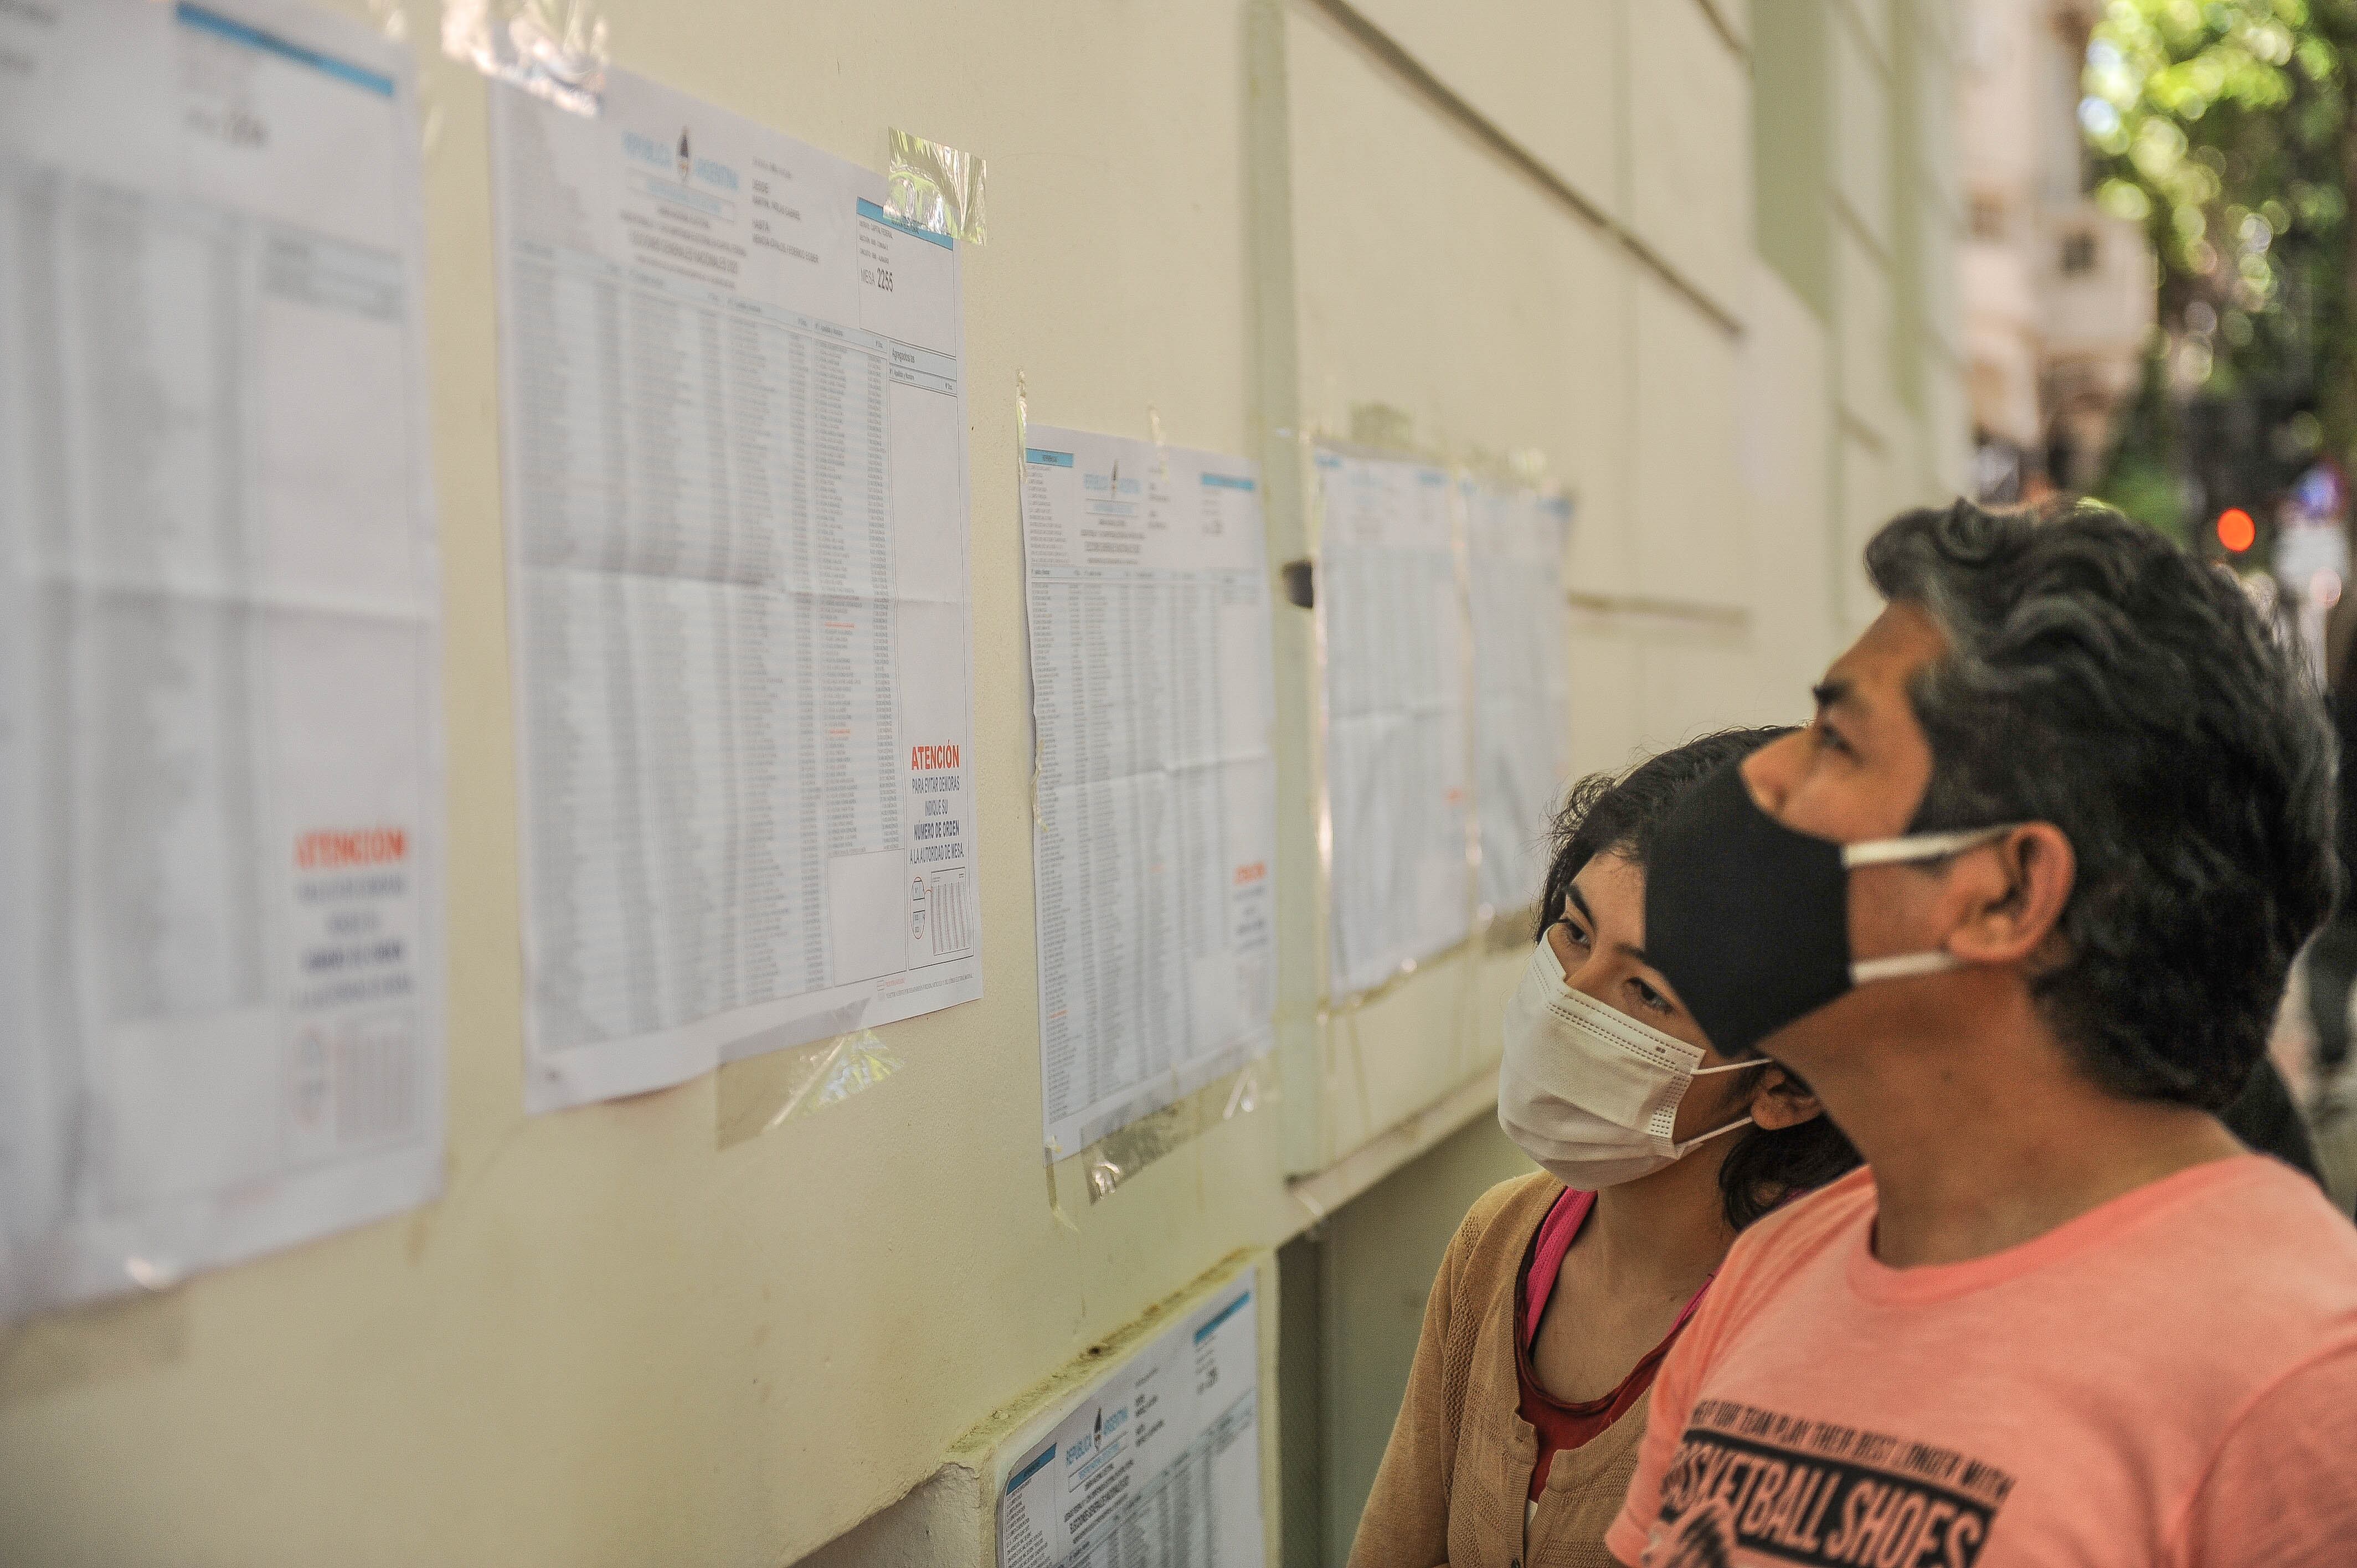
(2099,678)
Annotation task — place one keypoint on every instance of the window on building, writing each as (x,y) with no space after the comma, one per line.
(2078,253)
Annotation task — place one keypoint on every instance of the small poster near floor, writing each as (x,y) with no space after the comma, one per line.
(1158,1466)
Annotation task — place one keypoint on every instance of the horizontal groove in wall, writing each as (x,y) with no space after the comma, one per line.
(1640,607)
(1320,1193)
(1387,51)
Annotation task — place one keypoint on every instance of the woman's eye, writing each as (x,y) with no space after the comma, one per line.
(1832,739)
(1572,933)
(1652,998)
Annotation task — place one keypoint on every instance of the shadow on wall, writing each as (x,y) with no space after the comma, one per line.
(938,1524)
(1351,1303)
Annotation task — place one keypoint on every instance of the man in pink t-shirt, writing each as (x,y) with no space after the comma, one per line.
(2018,904)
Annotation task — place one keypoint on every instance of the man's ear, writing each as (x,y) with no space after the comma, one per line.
(1781,1100)
(2011,894)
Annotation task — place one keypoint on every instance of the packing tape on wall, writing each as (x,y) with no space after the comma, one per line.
(1161,443)
(553,49)
(762,1092)
(935,188)
(1102,1168)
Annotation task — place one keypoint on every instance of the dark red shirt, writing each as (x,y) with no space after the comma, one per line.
(1562,1425)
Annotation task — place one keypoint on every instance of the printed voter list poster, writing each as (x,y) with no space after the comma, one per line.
(1152,702)
(220,785)
(1521,683)
(1392,643)
(733,422)
(1156,1468)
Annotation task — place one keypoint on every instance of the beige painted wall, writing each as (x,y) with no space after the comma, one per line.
(1521,224)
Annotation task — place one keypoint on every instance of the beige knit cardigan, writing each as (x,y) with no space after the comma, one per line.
(1456,1477)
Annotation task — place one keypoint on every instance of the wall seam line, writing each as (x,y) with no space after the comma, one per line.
(1726,32)
(1391,54)
(1853,425)
(1854,221)
(1865,40)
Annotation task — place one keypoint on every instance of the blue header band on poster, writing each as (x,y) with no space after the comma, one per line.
(1037,1463)
(874,213)
(1226,1312)
(254,37)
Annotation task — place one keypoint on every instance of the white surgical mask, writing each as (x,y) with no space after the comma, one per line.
(1589,1092)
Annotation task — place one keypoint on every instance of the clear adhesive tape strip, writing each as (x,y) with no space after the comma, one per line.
(553,49)
(935,188)
(1120,1155)
(758,1093)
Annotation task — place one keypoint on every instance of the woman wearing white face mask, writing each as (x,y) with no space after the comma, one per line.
(1564,1289)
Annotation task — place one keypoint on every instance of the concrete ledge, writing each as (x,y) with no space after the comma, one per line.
(1322,1192)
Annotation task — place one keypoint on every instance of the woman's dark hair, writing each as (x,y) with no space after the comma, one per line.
(1608,815)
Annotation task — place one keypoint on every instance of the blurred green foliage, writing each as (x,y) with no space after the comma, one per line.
(2229,129)
(2141,476)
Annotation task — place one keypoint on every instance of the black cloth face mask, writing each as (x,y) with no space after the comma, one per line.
(1749,919)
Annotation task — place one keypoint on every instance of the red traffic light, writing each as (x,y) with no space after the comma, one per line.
(2236,532)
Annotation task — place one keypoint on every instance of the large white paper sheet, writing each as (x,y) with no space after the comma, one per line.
(1521,683)
(221,796)
(734,426)
(1391,623)
(1152,702)
(1156,1468)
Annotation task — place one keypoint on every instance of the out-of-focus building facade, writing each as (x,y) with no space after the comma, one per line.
(2058,296)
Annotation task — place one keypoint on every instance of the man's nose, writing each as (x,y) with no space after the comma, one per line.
(1770,771)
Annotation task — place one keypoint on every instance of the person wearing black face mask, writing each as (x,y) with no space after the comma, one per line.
(1738,849)
(2018,904)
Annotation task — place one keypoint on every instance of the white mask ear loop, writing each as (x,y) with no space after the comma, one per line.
(1690,1144)
(1898,966)
(1919,846)
(1898,851)
(1695,1143)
